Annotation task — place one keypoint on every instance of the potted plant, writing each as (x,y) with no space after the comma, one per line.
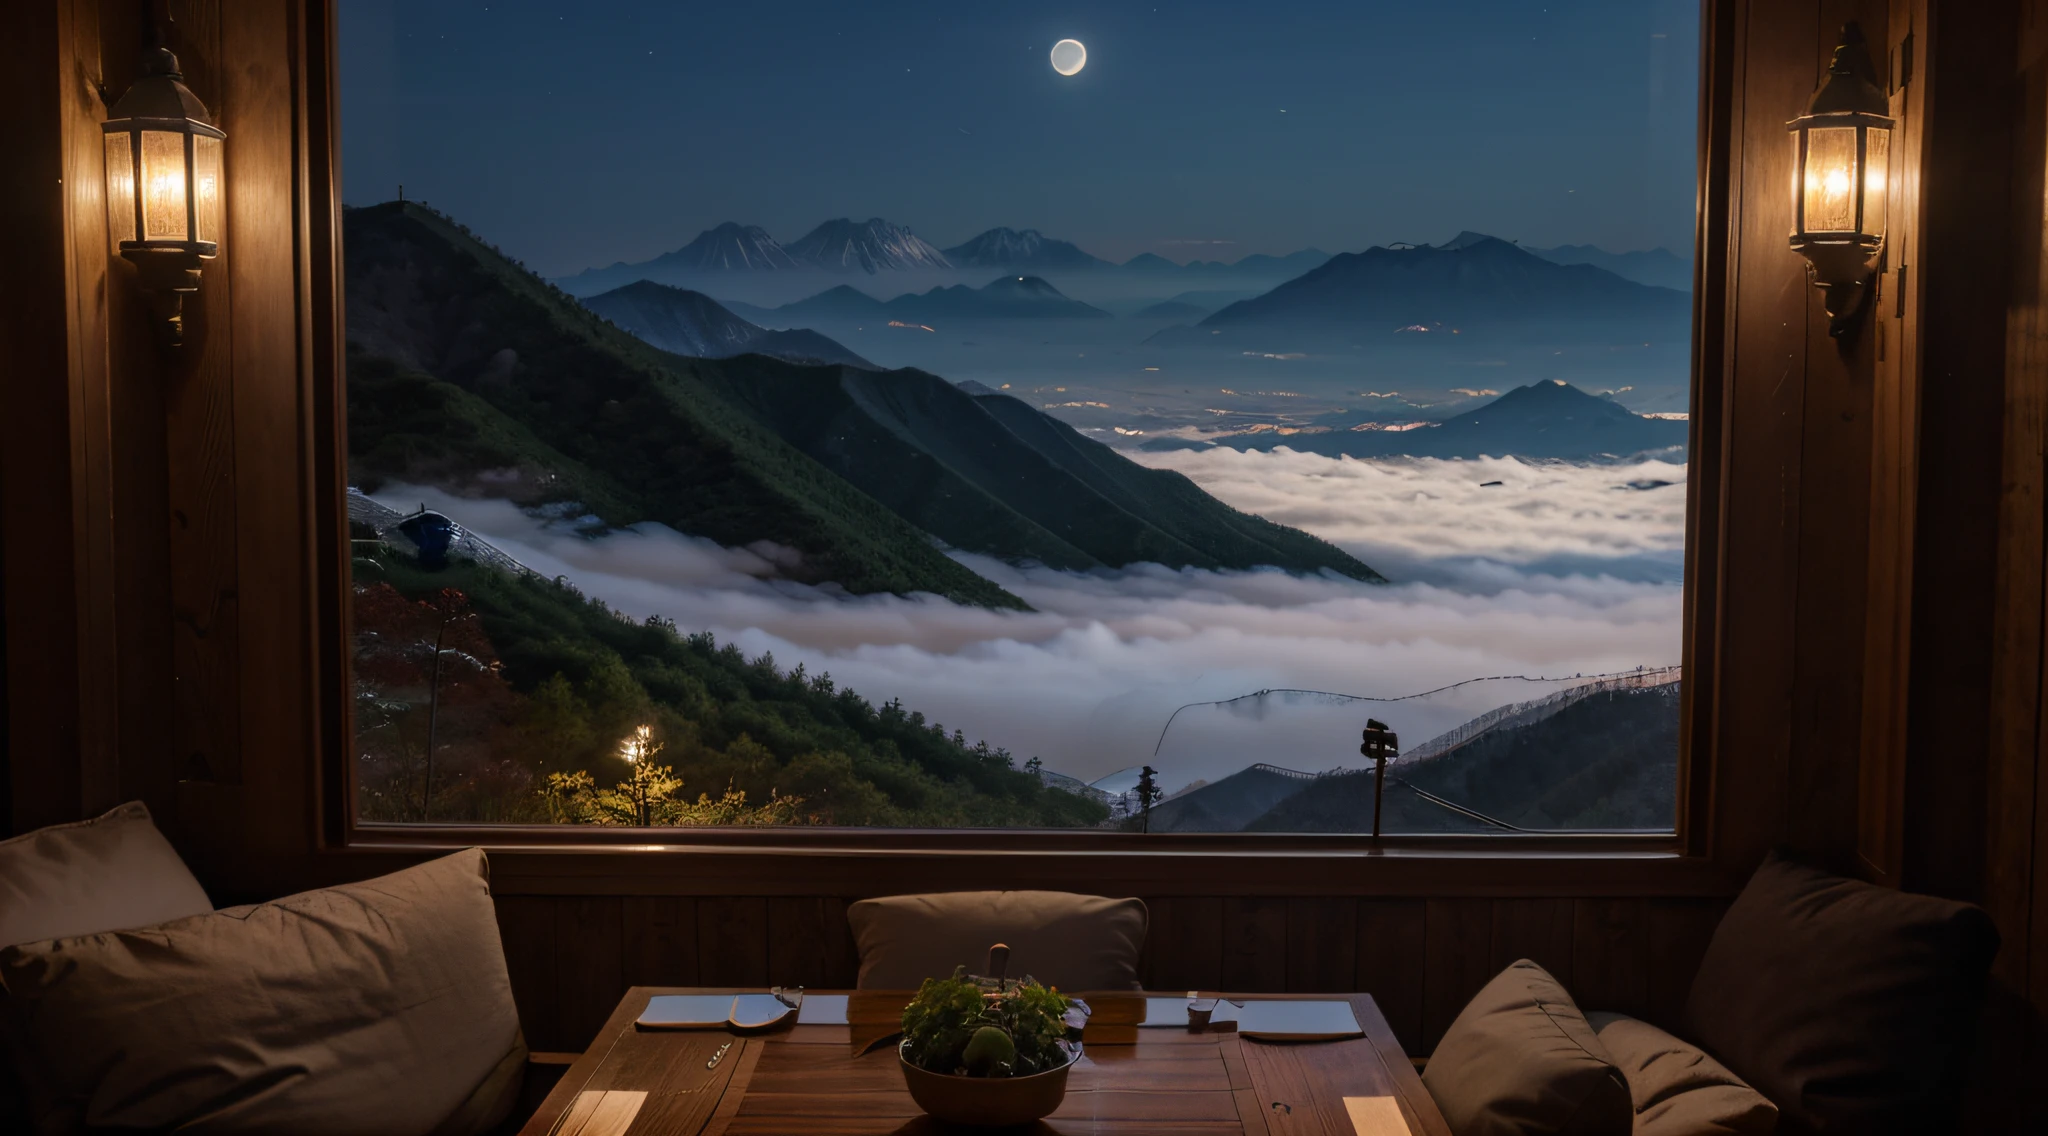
(988,1052)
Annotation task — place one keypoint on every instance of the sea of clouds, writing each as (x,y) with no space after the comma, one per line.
(1557,571)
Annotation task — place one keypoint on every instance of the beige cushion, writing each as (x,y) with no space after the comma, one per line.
(381,1006)
(1074,942)
(109,873)
(1522,1060)
(1678,1090)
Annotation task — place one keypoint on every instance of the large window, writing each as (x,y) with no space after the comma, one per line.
(1019,415)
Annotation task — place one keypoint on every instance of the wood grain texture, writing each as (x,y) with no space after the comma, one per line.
(1254,938)
(526,927)
(589,964)
(732,941)
(1459,934)
(1610,956)
(1761,432)
(1535,929)
(810,944)
(659,940)
(1678,932)
(1183,944)
(1966,268)
(261,93)
(1322,945)
(48,455)
(200,482)
(1894,464)
(2017,635)
(1391,963)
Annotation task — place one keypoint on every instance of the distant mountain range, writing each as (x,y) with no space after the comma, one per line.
(1658,267)
(468,373)
(1006,297)
(877,247)
(1546,420)
(691,323)
(869,246)
(1255,265)
(1013,250)
(1471,282)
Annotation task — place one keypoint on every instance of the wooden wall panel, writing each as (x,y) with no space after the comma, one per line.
(660,940)
(527,927)
(590,973)
(59,720)
(1254,943)
(732,941)
(810,944)
(1767,339)
(2017,637)
(1184,944)
(1610,955)
(1459,938)
(1392,963)
(1536,929)
(1322,944)
(1832,539)
(1678,933)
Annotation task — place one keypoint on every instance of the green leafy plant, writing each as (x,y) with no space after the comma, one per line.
(986,1028)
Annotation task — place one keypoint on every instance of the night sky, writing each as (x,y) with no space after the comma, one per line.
(578,134)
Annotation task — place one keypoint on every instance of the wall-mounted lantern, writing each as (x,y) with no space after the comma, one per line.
(1841,168)
(164,186)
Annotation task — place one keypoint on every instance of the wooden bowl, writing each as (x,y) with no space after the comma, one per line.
(987,1102)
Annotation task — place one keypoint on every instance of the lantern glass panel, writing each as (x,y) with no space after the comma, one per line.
(206,177)
(120,188)
(1830,179)
(1877,152)
(163,186)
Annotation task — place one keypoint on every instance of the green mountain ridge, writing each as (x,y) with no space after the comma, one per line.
(467,370)
(992,475)
(635,433)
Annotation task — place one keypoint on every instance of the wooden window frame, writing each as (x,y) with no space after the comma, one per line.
(1707,855)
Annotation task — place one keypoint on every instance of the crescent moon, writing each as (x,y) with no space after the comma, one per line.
(1069,56)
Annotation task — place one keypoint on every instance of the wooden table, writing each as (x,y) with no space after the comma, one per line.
(812,1080)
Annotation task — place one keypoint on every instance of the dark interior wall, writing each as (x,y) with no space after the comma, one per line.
(1873,541)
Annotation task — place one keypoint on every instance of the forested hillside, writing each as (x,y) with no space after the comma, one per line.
(535,680)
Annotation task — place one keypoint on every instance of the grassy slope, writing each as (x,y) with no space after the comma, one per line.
(643,428)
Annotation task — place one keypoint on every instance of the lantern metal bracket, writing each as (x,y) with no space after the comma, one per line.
(1845,295)
(166,277)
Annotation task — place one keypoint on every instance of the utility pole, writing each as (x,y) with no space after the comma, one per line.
(1380,745)
(1148,791)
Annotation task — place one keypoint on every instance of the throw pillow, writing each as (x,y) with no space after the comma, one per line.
(109,873)
(1849,1005)
(380,1006)
(1678,1090)
(1074,942)
(1521,1060)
